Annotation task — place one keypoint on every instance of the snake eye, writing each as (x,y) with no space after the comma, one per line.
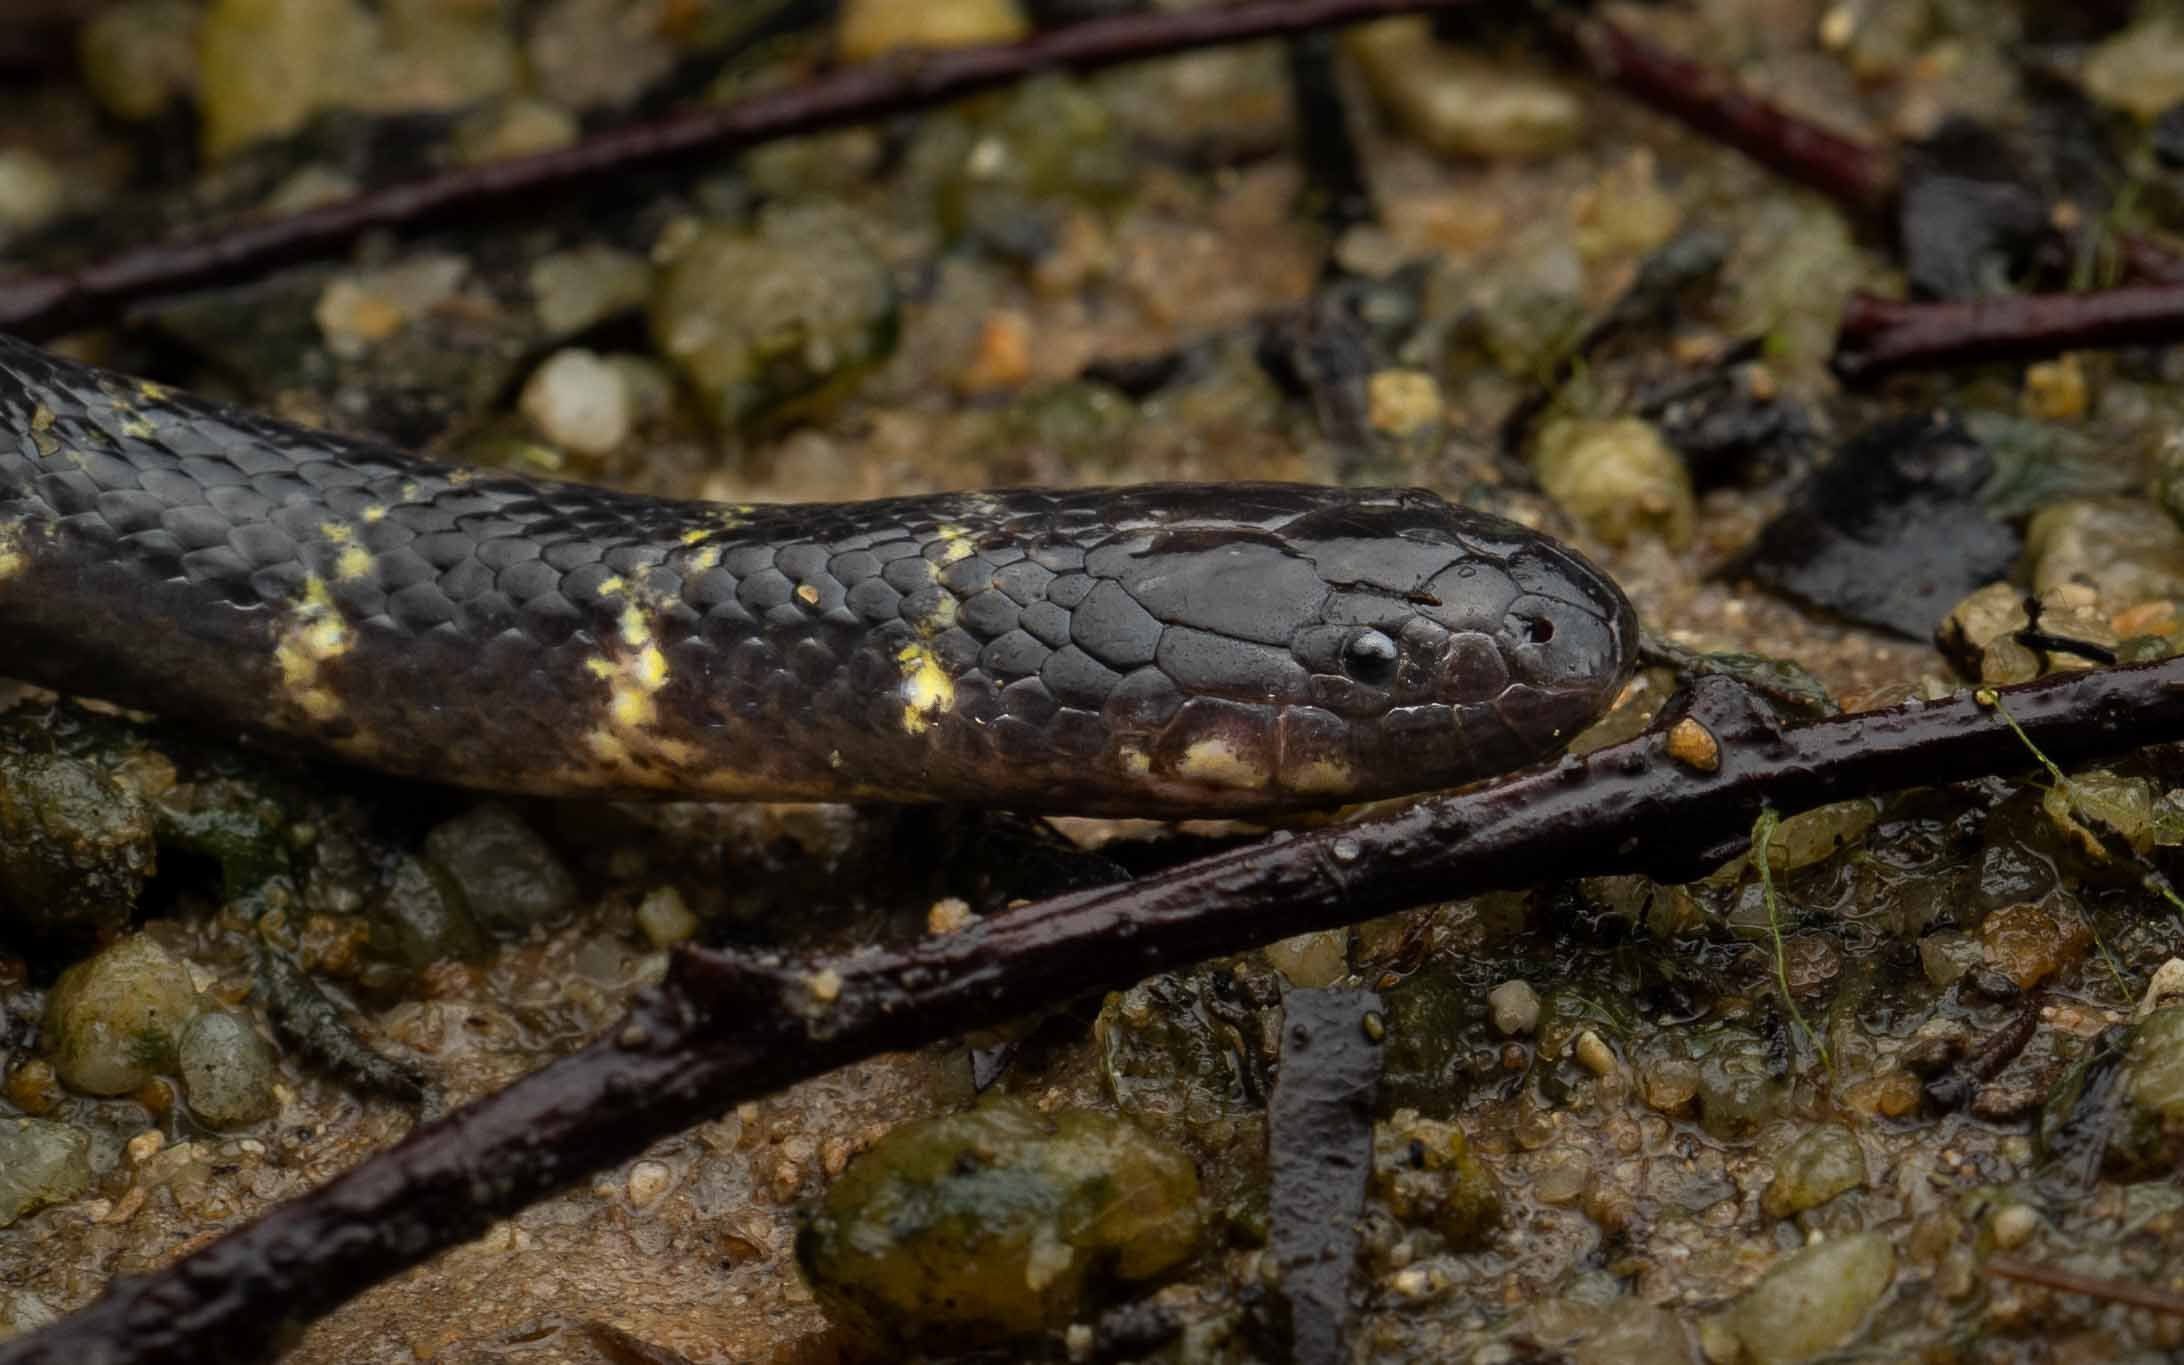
(1370,658)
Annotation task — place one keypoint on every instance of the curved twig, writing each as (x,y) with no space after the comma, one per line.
(1882,335)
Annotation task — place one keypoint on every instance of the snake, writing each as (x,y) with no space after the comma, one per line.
(1161,650)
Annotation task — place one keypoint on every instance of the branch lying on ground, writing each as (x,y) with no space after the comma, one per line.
(1860,178)
(43,305)
(2093,1286)
(1881,335)
(724,1028)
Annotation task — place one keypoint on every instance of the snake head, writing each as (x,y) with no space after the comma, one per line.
(1368,644)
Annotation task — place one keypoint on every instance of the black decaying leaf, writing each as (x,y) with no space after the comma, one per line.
(1969,225)
(1890,533)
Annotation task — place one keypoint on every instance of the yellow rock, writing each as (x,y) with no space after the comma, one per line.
(874,28)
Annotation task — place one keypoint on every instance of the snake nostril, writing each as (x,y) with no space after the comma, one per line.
(1539,630)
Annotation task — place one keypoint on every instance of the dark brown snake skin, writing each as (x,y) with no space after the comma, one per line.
(1156,650)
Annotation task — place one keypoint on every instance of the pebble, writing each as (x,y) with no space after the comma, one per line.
(76,846)
(140,56)
(421,917)
(1813,1301)
(509,876)
(976,1227)
(665,919)
(516,127)
(2157,1064)
(227,1070)
(1426,1174)
(1619,477)
(2139,69)
(112,1021)
(2013,1226)
(1312,961)
(587,54)
(576,288)
(579,402)
(2127,549)
(755,321)
(1821,1164)
(41,1162)
(2165,988)
(1593,1053)
(1514,1007)
(31,190)
(357,311)
(2028,945)
(865,29)
(1634,1332)
(1463,103)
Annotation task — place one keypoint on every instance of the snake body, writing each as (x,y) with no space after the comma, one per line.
(1165,649)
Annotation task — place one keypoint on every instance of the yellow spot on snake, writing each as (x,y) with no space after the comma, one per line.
(354,562)
(11,552)
(316,636)
(1219,763)
(42,418)
(705,560)
(636,630)
(927,690)
(374,512)
(1136,762)
(808,595)
(695,534)
(940,617)
(155,393)
(1323,777)
(138,428)
(955,544)
(606,748)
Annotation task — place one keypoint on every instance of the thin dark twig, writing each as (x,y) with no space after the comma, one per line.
(1865,180)
(2093,1286)
(1881,335)
(1860,178)
(724,1028)
(1337,189)
(45,304)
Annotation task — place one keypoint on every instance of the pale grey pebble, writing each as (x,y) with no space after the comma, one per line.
(41,1162)
(227,1070)
(1515,1008)
(1812,1303)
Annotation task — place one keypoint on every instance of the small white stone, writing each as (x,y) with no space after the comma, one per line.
(1515,1008)
(648,1180)
(2013,1224)
(579,402)
(664,918)
(2167,985)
